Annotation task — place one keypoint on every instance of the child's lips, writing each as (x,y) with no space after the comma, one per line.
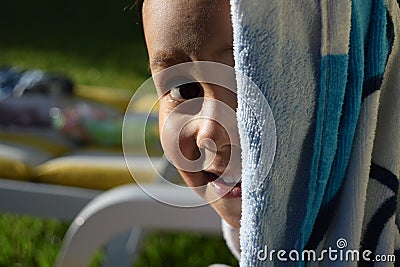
(223,189)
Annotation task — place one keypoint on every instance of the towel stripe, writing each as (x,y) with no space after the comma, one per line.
(385,177)
(336,122)
(351,101)
(388,208)
(322,223)
(375,227)
(371,85)
(330,96)
(389,30)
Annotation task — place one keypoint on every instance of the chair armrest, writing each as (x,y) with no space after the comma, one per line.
(126,207)
(44,200)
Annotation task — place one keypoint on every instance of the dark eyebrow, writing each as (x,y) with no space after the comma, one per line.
(165,60)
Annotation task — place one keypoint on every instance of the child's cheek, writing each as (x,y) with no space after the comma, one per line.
(178,135)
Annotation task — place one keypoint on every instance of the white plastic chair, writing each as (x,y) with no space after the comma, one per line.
(116,211)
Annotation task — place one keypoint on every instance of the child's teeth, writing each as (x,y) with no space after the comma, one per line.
(230,179)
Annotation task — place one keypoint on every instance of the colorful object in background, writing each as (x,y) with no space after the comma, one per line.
(16,83)
(88,122)
(73,118)
(33,99)
(27,95)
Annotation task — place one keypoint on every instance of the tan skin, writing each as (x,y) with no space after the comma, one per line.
(179,31)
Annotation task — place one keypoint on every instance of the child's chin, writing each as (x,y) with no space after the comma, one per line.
(233,223)
(229,210)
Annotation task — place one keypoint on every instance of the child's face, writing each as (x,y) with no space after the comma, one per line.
(178,31)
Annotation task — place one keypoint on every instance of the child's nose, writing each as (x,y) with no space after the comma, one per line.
(211,135)
(216,126)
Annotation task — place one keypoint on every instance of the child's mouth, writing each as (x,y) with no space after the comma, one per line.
(225,186)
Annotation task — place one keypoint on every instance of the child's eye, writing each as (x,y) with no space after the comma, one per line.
(187,91)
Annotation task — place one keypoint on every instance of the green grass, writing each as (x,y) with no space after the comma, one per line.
(95,43)
(183,250)
(28,241)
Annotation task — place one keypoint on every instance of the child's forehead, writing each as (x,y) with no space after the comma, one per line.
(177,22)
(190,11)
(183,26)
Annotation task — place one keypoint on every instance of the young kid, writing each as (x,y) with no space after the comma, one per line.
(180,31)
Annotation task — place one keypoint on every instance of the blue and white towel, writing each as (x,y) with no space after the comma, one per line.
(330,71)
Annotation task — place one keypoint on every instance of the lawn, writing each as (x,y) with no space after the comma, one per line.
(92,42)
(95,43)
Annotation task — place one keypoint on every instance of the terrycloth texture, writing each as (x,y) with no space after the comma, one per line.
(330,71)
